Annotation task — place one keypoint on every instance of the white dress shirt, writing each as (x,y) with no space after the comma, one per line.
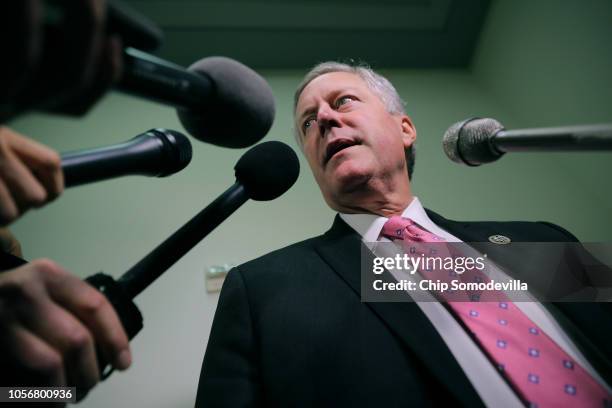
(486,379)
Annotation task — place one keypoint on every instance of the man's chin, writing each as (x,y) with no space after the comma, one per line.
(344,165)
(344,175)
(348,181)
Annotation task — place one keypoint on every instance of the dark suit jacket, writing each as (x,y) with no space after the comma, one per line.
(290,330)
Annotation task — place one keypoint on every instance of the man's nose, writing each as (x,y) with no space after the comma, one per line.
(327,118)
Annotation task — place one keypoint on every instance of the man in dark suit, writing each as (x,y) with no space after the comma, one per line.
(291,329)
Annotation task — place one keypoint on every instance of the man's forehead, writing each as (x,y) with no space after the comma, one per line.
(327,84)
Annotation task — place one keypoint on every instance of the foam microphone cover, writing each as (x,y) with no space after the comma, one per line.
(267,170)
(241,110)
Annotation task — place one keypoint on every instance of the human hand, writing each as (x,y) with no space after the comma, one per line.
(9,243)
(51,324)
(30,175)
(58,56)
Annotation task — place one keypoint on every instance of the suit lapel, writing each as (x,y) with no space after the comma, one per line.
(340,248)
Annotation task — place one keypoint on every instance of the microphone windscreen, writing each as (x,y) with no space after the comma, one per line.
(241,109)
(267,170)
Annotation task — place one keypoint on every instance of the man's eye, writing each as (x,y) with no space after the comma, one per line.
(308,123)
(343,100)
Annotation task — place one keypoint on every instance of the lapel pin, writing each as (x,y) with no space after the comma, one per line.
(499,239)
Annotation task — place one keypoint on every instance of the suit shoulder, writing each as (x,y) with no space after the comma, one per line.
(530,231)
(293,257)
(525,231)
(569,235)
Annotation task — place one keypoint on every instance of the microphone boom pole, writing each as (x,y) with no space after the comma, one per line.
(575,138)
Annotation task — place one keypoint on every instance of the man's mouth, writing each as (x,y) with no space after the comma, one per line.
(337,146)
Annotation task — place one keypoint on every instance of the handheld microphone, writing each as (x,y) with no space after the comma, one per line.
(483,140)
(263,173)
(155,153)
(218,100)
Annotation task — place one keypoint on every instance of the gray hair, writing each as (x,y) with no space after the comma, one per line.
(377,83)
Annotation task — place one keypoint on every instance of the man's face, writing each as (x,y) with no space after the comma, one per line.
(350,140)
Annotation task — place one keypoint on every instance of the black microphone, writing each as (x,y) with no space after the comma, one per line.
(476,141)
(263,173)
(155,153)
(218,100)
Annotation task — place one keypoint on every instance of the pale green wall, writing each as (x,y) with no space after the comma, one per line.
(549,63)
(530,70)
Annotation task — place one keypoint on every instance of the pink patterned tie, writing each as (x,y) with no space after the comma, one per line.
(541,373)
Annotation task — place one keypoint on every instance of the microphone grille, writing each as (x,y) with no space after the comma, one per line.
(178,147)
(467,141)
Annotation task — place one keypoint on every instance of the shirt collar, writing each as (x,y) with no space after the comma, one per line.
(369,226)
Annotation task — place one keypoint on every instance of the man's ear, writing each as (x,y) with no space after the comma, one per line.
(409,132)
